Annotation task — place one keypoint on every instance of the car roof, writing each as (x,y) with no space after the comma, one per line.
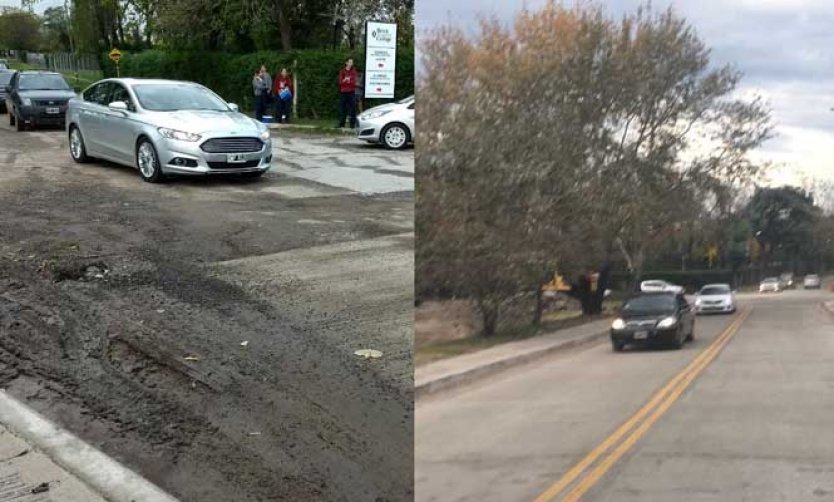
(153,81)
(38,72)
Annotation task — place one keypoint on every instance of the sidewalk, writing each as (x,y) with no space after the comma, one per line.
(40,462)
(456,371)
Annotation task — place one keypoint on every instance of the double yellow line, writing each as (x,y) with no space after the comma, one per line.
(660,402)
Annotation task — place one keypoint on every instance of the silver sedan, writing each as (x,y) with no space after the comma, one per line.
(390,124)
(164,127)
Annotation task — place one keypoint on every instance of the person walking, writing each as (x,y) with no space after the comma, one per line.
(283,93)
(260,89)
(348,78)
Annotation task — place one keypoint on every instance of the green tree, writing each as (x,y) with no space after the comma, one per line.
(20,30)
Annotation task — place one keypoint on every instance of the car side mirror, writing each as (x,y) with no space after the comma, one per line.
(119,106)
(234,107)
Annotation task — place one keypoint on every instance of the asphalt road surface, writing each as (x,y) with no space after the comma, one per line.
(202,331)
(743,413)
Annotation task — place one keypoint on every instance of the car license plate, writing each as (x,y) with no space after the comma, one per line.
(641,335)
(53,111)
(235,158)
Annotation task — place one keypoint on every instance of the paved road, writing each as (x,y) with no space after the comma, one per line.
(202,331)
(755,424)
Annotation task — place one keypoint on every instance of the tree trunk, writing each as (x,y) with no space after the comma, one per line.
(284,25)
(489,315)
(537,315)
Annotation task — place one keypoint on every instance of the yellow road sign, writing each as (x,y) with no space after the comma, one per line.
(115,55)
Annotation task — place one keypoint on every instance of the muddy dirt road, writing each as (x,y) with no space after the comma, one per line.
(202,331)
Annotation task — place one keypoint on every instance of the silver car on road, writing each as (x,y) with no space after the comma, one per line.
(164,127)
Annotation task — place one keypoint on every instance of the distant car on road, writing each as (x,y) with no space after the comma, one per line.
(35,97)
(391,125)
(771,284)
(812,281)
(715,298)
(5,78)
(654,318)
(658,286)
(164,127)
(787,280)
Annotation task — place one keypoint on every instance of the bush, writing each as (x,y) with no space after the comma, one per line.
(230,75)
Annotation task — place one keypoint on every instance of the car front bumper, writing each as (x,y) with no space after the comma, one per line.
(37,115)
(653,336)
(187,158)
(370,129)
(715,309)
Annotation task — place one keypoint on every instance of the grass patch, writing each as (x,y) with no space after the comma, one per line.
(551,322)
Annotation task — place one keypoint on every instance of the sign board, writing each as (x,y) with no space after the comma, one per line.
(380,59)
(115,55)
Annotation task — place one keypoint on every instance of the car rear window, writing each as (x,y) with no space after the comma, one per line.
(715,290)
(650,303)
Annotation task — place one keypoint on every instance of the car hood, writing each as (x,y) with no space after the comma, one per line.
(206,121)
(388,106)
(647,316)
(47,94)
(726,297)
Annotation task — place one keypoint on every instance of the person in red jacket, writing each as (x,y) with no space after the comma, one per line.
(348,78)
(283,93)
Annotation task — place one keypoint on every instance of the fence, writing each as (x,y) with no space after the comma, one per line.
(68,62)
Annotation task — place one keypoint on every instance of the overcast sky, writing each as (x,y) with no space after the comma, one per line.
(785,48)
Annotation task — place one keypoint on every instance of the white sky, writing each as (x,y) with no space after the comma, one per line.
(785,49)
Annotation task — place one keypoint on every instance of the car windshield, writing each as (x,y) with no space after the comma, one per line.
(715,290)
(650,303)
(5,77)
(770,280)
(43,82)
(172,97)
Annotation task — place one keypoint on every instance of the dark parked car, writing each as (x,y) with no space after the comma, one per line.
(5,78)
(37,98)
(654,319)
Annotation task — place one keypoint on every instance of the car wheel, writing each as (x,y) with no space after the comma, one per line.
(76,144)
(147,160)
(395,136)
(617,346)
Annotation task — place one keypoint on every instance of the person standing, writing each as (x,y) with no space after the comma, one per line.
(268,83)
(348,77)
(283,93)
(259,88)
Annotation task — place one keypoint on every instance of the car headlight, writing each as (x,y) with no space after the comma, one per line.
(265,136)
(668,322)
(179,135)
(374,115)
(618,324)
(26,101)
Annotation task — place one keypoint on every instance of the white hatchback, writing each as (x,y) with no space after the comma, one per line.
(391,124)
(715,298)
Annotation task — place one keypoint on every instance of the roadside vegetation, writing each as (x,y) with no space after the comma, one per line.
(600,149)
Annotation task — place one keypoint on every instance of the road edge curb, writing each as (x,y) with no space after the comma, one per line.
(103,474)
(470,375)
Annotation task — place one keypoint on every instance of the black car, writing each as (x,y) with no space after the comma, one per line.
(654,319)
(5,78)
(37,98)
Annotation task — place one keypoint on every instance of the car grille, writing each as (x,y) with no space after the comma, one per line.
(234,165)
(232,145)
(49,102)
(641,324)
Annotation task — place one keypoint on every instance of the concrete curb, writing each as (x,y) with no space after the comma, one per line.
(110,479)
(468,375)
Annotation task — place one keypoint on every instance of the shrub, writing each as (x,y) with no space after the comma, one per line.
(230,75)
